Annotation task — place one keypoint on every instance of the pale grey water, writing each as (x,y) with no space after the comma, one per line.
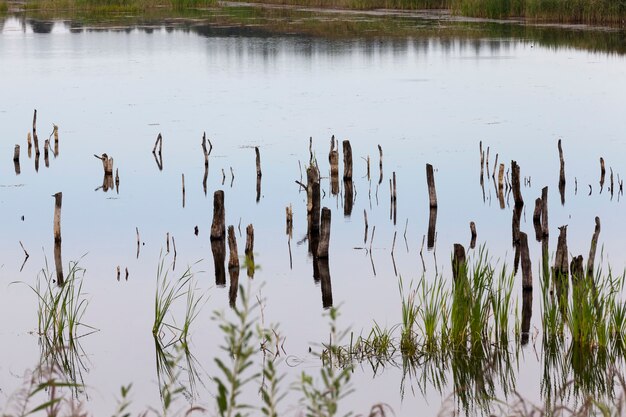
(425,100)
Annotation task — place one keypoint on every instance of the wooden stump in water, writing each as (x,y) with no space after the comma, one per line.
(517,216)
(218,228)
(577,270)
(380,164)
(348,197)
(333,159)
(561,265)
(537,219)
(602,173)
(323,271)
(347,160)
(432,227)
(473,232)
(289,221)
(58,200)
(515,184)
(430,180)
(250,267)
(459,267)
(527,272)
(545,230)
(322,249)
(592,250)
(233,289)
(218,248)
(233,259)
(16,159)
(258,161)
(29,143)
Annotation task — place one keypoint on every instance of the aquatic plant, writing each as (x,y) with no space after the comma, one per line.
(167,292)
(238,343)
(322,400)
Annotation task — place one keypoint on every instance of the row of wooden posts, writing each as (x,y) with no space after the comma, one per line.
(32,138)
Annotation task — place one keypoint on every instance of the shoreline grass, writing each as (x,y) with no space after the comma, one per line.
(596,12)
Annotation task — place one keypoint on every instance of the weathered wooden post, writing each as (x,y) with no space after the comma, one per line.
(577,270)
(432,227)
(527,312)
(183,175)
(458,262)
(323,272)
(348,197)
(289,221)
(515,184)
(545,229)
(16,159)
(249,251)
(55,132)
(35,138)
(218,228)
(258,161)
(58,200)
(592,250)
(347,160)
(527,273)
(561,174)
(322,249)
(602,173)
(430,180)
(366,226)
(218,248)
(29,143)
(233,289)
(333,159)
(233,259)
(473,232)
(517,216)
(561,266)
(537,219)
(380,164)
(46,147)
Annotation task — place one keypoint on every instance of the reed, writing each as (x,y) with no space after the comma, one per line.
(167,292)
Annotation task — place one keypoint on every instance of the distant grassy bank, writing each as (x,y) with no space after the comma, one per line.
(611,12)
(115,6)
(603,12)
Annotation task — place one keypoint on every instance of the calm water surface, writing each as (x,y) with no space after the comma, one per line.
(425,99)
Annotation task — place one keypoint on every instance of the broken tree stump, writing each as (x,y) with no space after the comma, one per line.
(527,273)
(218,228)
(258,162)
(430,180)
(458,262)
(347,160)
(333,159)
(473,232)
(233,259)
(537,219)
(58,200)
(515,184)
(561,265)
(545,229)
(592,250)
(602,173)
(322,248)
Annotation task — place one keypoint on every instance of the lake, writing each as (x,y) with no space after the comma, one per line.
(425,90)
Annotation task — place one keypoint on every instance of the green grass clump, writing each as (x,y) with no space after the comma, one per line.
(4,7)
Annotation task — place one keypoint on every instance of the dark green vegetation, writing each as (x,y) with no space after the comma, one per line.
(115,6)
(399,31)
(570,11)
(603,12)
